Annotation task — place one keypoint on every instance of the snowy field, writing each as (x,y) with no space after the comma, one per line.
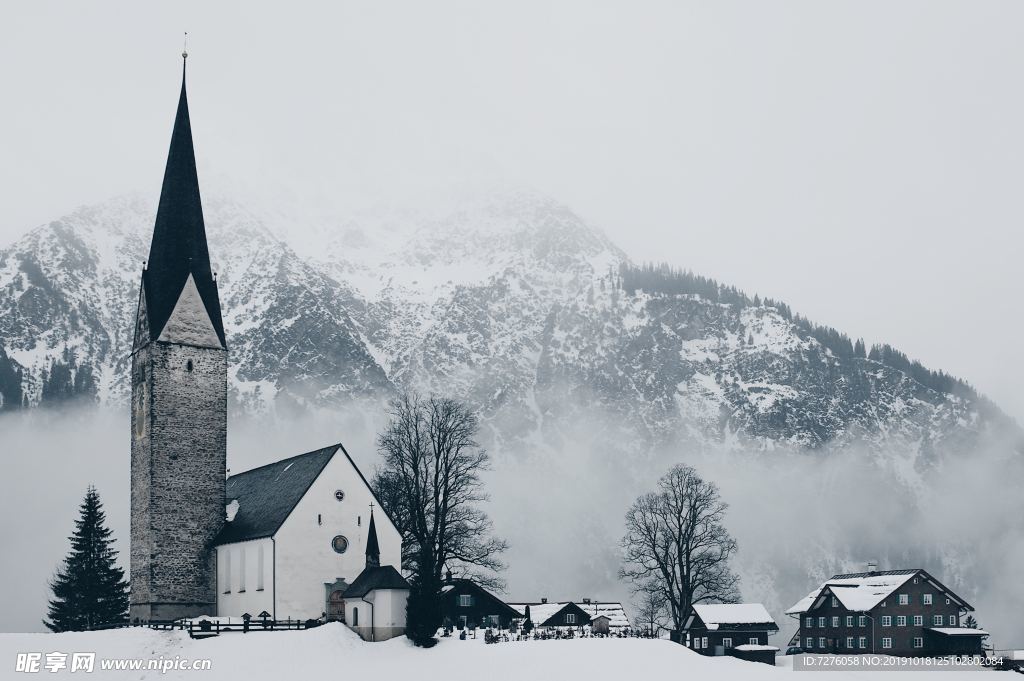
(333,651)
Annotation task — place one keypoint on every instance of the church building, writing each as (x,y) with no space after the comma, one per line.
(292,538)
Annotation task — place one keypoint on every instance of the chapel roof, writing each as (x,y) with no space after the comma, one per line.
(375,579)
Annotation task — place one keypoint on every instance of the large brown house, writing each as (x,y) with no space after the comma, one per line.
(892,612)
(464,603)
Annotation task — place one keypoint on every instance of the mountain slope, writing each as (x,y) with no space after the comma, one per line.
(511,302)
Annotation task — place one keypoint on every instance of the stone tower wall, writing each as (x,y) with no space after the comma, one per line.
(179,450)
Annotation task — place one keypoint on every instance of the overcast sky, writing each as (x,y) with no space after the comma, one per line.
(859,160)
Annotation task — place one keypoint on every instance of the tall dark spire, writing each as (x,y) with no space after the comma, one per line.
(179,235)
(372,546)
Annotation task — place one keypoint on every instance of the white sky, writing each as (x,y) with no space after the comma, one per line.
(859,160)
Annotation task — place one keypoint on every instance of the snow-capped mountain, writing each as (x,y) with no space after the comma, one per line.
(593,376)
(511,302)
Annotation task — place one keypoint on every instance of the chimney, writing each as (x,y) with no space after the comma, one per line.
(586,601)
(872,567)
(543,600)
(448,576)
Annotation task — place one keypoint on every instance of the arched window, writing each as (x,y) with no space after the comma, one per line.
(355,617)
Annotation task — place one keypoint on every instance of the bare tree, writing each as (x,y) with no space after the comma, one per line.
(652,608)
(676,546)
(429,482)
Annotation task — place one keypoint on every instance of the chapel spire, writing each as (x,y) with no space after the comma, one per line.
(179,248)
(372,546)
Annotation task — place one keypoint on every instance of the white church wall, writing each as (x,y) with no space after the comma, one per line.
(306,559)
(245,578)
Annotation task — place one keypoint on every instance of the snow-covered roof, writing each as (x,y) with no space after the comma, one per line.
(958,631)
(615,613)
(756,646)
(715,615)
(541,612)
(857,592)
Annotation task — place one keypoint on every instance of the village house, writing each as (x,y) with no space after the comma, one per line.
(575,614)
(737,629)
(464,603)
(893,612)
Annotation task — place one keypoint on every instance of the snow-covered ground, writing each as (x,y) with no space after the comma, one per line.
(333,651)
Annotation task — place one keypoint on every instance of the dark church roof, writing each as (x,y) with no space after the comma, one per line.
(179,235)
(383,577)
(266,495)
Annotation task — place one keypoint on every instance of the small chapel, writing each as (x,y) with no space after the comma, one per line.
(301,538)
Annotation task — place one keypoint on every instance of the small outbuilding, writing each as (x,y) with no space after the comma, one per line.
(600,624)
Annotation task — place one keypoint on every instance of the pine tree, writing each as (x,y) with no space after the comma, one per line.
(89,590)
(528,624)
(970,622)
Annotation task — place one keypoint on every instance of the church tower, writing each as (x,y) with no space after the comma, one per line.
(179,403)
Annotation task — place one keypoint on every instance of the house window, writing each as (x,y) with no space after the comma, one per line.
(904,599)
(493,621)
(355,617)
(918,620)
(821,622)
(809,643)
(339,544)
(835,602)
(849,643)
(835,621)
(927,599)
(862,642)
(465,600)
(901,621)
(727,643)
(259,568)
(887,642)
(753,641)
(849,620)
(886,621)
(704,642)
(862,621)
(918,642)
(241,570)
(810,622)
(952,621)
(227,570)
(947,601)
(696,642)
(821,642)
(570,618)
(937,620)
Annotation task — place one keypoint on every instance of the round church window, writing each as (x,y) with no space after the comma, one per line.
(339,495)
(340,544)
